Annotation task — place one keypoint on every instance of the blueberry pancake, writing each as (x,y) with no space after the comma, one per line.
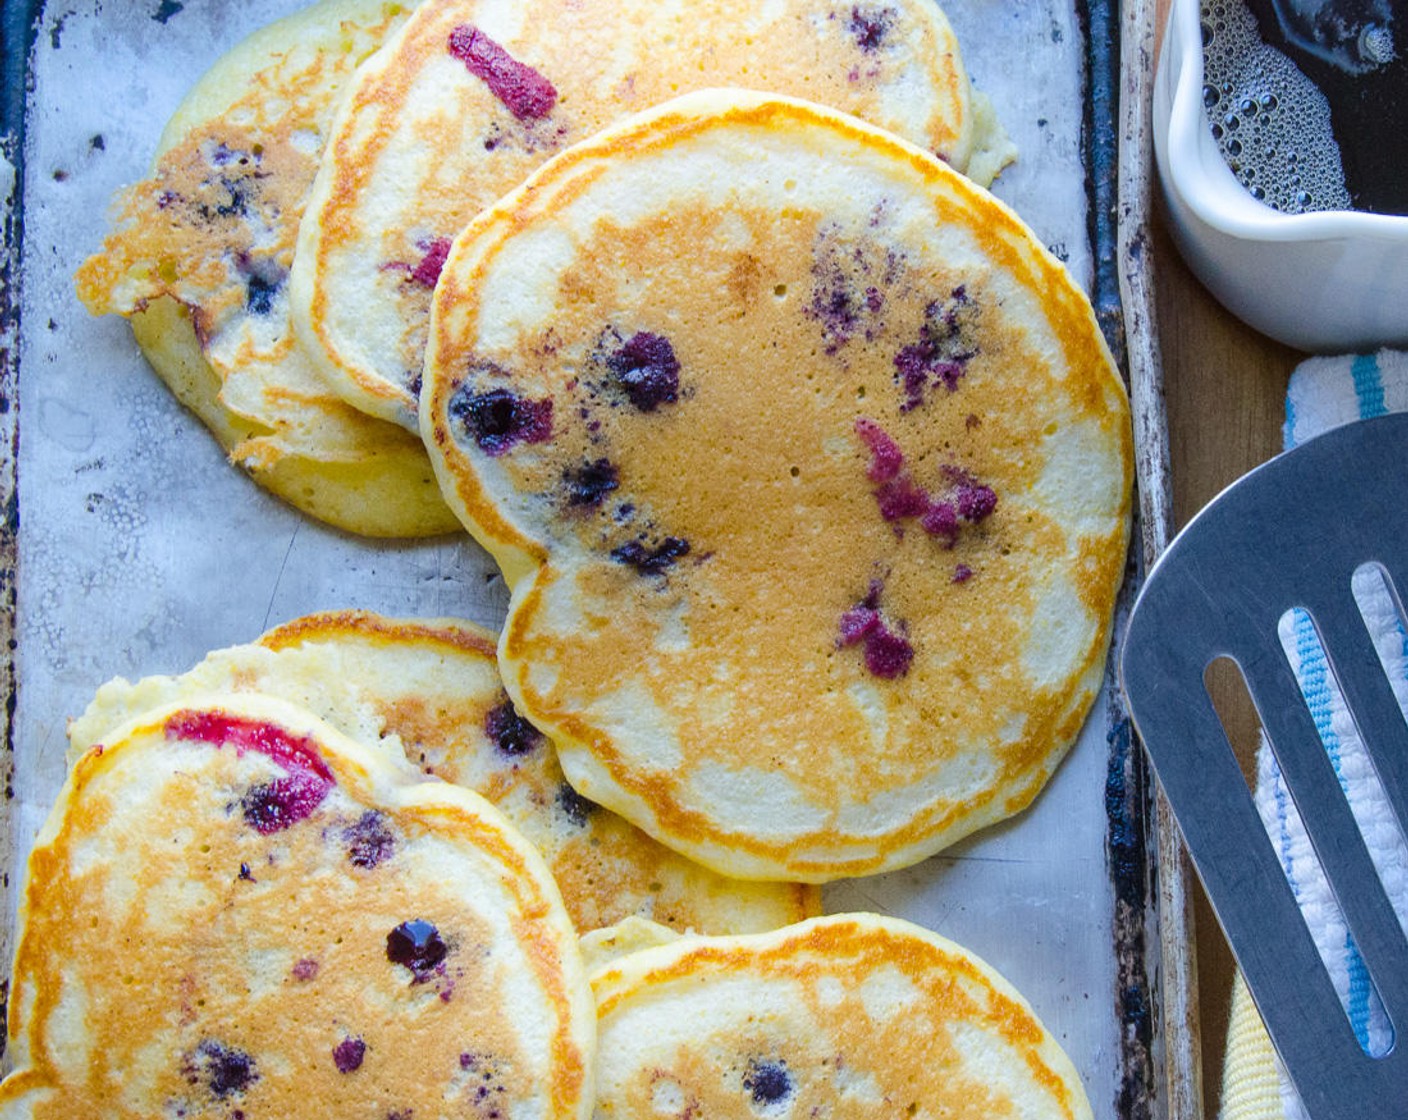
(809,472)
(849,1017)
(199,261)
(430,691)
(235,911)
(629,935)
(472,95)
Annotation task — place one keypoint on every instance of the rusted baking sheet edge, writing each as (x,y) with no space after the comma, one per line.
(1158,1010)
(1155,993)
(20,21)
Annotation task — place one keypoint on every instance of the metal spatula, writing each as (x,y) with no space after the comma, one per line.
(1290,534)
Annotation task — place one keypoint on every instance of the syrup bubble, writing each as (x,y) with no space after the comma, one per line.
(1271,122)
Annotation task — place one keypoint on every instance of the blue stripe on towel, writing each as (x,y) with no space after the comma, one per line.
(1368,385)
(1315,684)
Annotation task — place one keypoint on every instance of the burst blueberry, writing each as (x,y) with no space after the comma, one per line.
(651,561)
(942,353)
(887,652)
(348,1055)
(235,202)
(274,806)
(369,841)
(833,307)
(261,289)
(418,946)
(499,419)
(869,26)
(646,370)
(768,1081)
(574,806)
(588,484)
(509,731)
(224,1069)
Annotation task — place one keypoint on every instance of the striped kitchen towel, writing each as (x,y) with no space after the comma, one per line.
(1324,393)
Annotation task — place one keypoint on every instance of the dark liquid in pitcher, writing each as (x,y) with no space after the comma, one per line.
(1308,116)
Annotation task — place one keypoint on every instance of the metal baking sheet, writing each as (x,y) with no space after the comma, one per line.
(131,547)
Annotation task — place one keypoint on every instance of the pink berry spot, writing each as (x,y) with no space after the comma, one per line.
(900,498)
(886,458)
(220,730)
(305,970)
(941,520)
(274,806)
(975,500)
(270,806)
(436,250)
(856,623)
(524,92)
(888,653)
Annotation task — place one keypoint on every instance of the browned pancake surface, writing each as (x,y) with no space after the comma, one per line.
(429,690)
(853,1016)
(199,260)
(471,96)
(236,911)
(809,470)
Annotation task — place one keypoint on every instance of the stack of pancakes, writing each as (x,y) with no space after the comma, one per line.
(808,470)
(291,338)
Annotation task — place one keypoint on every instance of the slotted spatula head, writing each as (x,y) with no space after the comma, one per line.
(1288,535)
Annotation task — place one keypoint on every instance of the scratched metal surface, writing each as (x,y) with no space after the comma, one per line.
(139,548)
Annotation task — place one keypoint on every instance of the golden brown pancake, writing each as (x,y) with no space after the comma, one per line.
(849,1017)
(199,261)
(472,95)
(234,910)
(630,935)
(808,469)
(430,691)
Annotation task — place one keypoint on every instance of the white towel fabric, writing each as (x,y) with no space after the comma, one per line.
(1325,393)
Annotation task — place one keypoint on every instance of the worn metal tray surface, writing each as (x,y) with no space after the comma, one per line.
(132,547)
